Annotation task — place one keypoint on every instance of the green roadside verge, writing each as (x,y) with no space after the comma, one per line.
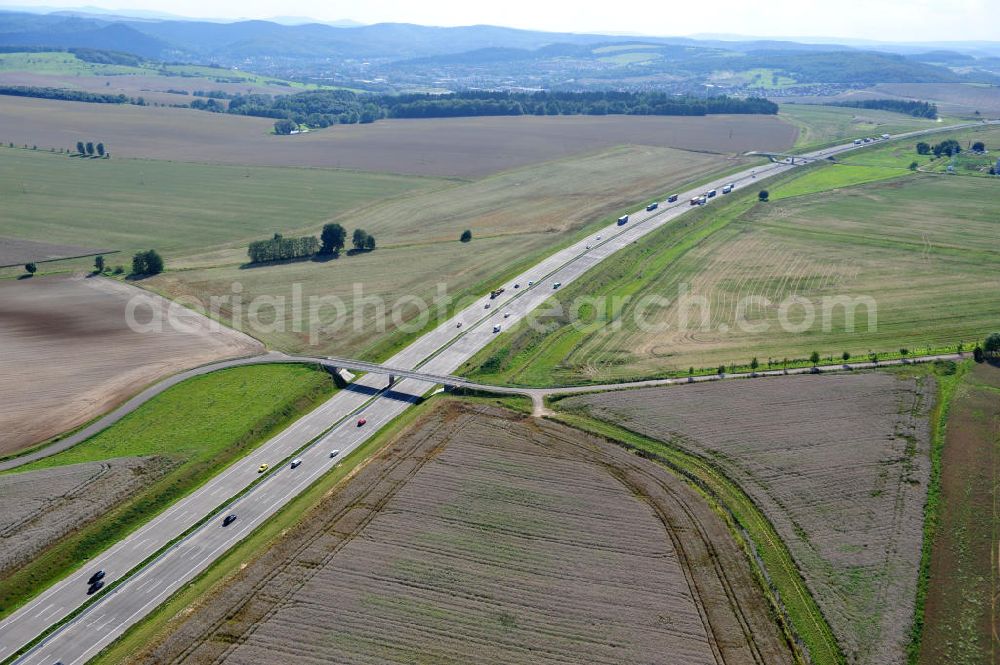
(164,618)
(201,426)
(797,610)
(947,383)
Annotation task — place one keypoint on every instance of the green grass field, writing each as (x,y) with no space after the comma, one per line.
(893,160)
(924,250)
(825,125)
(67,64)
(203,425)
(177,208)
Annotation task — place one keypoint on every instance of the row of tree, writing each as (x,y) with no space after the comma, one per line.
(332,241)
(915,108)
(68,95)
(321,108)
(90,149)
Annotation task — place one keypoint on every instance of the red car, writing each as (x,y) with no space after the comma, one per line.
(361,422)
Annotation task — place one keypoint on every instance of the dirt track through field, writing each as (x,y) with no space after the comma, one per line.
(481,536)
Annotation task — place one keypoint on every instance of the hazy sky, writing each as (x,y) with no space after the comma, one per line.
(886,20)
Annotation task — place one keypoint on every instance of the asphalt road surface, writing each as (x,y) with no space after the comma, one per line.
(174,552)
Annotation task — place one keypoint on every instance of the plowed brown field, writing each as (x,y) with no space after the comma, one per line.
(480,536)
(462,147)
(839,464)
(67,355)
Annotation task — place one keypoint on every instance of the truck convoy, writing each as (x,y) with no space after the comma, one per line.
(652,206)
(671,198)
(496,292)
(623,220)
(728,188)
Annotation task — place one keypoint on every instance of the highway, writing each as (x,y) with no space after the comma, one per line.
(174,547)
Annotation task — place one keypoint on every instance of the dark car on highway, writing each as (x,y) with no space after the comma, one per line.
(95,587)
(99,575)
(229,520)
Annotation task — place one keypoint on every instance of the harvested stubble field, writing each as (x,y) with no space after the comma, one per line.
(40,507)
(481,536)
(839,464)
(455,147)
(177,208)
(924,250)
(516,217)
(68,354)
(960,621)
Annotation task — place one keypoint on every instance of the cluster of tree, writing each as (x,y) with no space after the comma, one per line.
(104,57)
(90,149)
(329,107)
(146,263)
(914,108)
(68,95)
(948,147)
(362,240)
(210,104)
(213,94)
(285,126)
(280,248)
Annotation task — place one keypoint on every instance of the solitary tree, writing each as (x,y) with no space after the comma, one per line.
(333,238)
(147,263)
(914,166)
(31,268)
(904,352)
(99,263)
(992,345)
(100,149)
(814,358)
(754,364)
(763,195)
(721,370)
(90,148)
(846,355)
(359,238)
(977,354)
(923,148)
(369,243)
(873,357)
(466,235)
(978,146)
(80,148)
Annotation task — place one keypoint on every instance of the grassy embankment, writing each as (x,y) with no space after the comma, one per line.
(202,425)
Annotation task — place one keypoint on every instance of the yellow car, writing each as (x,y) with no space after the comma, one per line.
(262,468)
